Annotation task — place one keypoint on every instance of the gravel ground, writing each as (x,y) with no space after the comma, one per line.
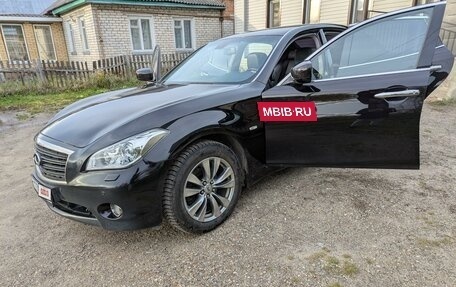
(301,227)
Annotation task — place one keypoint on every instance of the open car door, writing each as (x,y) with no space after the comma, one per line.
(361,106)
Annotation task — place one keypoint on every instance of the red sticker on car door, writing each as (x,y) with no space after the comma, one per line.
(287,111)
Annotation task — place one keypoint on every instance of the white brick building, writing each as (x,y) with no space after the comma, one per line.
(101,29)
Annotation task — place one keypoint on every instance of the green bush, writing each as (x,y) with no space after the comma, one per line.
(36,97)
(35,87)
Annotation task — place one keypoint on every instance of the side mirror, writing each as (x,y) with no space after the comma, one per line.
(145,74)
(302,73)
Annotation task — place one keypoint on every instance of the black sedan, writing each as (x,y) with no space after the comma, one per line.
(183,146)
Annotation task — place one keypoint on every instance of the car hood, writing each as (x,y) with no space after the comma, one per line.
(87,120)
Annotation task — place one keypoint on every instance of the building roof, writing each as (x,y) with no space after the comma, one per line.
(63,6)
(34,18)
(23,6)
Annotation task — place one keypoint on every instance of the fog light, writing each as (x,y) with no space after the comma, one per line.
(116,210)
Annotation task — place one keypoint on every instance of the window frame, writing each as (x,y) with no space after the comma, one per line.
(83,34)
(6,46)
(138,18)
(306,6)
(352,11)
(270,13)
(192,31)
(52,40)
(70,37)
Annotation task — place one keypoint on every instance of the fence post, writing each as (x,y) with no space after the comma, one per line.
(2,75)
(127,61)
(39,71)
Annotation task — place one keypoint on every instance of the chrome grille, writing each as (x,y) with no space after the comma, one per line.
(51,163)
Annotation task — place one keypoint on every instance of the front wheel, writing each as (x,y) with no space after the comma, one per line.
(202,187)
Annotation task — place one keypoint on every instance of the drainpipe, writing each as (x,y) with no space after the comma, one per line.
(246,15)
(221,23)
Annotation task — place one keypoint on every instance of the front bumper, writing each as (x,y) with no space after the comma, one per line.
(137,190)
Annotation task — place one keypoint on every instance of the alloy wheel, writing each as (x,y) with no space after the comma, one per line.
(209,189)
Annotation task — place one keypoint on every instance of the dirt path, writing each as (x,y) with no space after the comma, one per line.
(304,227)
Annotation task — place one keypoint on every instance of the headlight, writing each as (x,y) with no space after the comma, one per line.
(126,152)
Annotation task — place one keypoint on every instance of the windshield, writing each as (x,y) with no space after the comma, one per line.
(228,61)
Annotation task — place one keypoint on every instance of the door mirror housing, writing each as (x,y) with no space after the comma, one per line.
(302,73)
(145,74)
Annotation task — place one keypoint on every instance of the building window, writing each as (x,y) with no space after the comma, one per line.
(183,34)
(274,13)
(359,11)
(13,36)
(141,34)
(83,34)
(70,38)
(311,11)
(44,42)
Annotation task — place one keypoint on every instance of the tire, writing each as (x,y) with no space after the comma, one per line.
(202,187)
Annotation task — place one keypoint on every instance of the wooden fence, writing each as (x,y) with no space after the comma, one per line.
(66,73)
(448,36)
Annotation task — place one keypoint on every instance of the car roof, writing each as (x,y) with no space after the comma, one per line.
(281,31)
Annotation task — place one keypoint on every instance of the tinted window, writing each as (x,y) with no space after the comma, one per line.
(330,35)
(391,44)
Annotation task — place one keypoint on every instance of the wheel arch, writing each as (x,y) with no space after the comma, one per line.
(206,125)
(220,136)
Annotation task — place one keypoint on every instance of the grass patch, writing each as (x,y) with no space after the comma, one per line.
(335,266)
(450,101)
(317,256)
(331,264)
(429,243)
(38,97)
(22,116)
(349,268)
(335,284)
(295,280)
(370,261)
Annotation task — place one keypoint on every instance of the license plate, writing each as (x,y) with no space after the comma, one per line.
(44,192)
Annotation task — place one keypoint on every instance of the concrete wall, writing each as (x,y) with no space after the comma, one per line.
(29,34)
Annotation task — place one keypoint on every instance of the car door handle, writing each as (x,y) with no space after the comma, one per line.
(398,94)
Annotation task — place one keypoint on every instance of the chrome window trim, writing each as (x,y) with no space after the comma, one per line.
(379,61)
(374,74)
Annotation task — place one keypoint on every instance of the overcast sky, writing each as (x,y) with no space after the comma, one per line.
(24,6)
